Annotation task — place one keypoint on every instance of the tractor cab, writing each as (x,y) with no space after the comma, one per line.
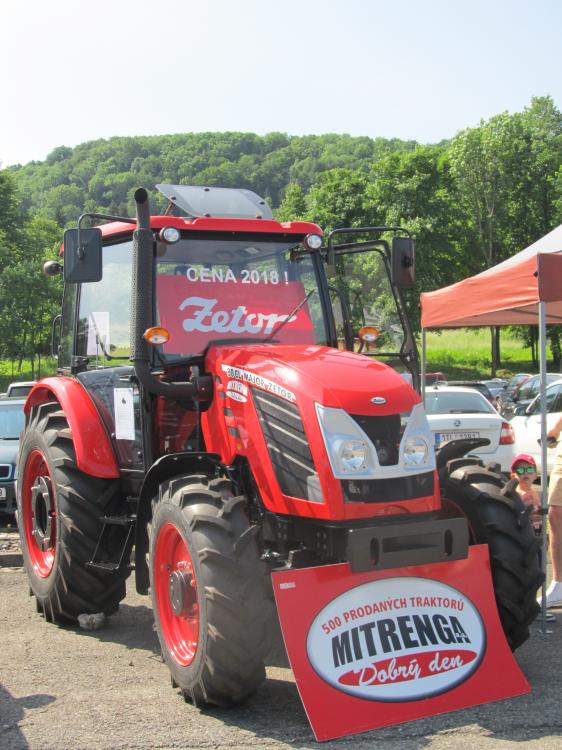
(225,271)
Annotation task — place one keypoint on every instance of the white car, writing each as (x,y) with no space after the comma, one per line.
(454,412)
(527,427)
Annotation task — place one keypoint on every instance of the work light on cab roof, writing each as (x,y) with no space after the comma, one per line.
(169,235)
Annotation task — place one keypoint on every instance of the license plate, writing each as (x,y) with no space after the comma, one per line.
(2,492)
(444,437)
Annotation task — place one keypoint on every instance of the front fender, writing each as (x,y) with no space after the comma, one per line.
(94,452)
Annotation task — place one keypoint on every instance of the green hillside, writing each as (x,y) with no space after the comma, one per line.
(470,202)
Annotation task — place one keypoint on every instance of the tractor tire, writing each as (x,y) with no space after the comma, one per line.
(207,586)
(59,510)
(498,517)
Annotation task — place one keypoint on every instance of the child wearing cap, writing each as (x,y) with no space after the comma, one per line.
(524,469)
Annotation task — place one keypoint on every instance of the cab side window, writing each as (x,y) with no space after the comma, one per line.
(104,310)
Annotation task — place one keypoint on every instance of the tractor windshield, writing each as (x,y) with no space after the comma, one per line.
(219,288)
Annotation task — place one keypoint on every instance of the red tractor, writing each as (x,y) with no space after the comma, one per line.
(222,408)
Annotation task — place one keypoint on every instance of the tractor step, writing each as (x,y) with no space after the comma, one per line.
(118,520)
(109,566)
(114,543)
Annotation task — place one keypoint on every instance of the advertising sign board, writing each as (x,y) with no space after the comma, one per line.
(378,648)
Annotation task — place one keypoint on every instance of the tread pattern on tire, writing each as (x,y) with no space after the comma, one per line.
(499,518)
(231,576)
(71,588)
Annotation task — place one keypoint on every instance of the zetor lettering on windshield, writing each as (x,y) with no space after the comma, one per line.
(197,312)
(397,639)
(205,315)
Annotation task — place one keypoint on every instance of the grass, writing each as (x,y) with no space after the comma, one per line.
(466,353)
(460,354)
(9,371)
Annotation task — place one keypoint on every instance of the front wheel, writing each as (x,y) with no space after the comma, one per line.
(499,518)
(208,593)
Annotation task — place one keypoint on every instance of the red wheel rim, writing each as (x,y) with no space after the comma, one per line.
(176,594)
(39,514)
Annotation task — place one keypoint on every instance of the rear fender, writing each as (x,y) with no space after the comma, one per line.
(166,467)
(94,451)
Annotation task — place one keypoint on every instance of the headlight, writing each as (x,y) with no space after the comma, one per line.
(353,454)
(416,451)
(349,450)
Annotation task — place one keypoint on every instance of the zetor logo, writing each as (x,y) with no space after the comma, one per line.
(397,639)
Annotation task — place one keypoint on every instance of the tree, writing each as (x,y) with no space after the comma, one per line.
(337,199)
(505,174)
(293,205)
(414,189)
(25,319)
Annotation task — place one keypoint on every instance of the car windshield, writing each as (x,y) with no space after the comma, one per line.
(216,289)
(19,391)
(444,402)
(11,421)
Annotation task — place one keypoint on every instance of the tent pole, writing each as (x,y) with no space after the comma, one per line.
(423,353)
(544,476)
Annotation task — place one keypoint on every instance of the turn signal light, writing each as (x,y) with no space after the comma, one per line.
(369,334)
(156,335)
(507,436)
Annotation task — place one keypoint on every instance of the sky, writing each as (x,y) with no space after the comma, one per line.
(75,71)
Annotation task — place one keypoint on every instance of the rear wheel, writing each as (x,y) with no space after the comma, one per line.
(208,593)
(59,510)
(498,518)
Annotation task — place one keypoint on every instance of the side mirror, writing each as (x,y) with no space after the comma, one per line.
(403,267)
(82,263)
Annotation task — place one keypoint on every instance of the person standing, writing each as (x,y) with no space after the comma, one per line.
(554,591)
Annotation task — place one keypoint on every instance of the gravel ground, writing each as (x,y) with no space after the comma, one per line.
(68,688)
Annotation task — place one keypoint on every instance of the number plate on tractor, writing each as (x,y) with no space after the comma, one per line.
(2,492)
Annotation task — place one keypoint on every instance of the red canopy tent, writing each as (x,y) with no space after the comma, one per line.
(526,289)
(507,294)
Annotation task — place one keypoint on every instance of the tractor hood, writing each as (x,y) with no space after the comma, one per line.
(318,424)
(327,376)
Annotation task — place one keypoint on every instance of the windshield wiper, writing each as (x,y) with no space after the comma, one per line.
(294,311)
(9,437)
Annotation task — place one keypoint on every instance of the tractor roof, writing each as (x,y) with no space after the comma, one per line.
(205,224)
(216,209)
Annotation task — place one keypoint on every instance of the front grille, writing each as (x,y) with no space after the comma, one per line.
(385,433)
(287,445)
(388,490)
(5,471)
